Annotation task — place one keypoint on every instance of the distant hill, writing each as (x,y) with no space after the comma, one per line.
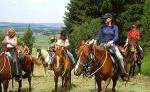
(42,28)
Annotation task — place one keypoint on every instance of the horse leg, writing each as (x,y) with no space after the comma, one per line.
(44,69)
(66,82)
(0,87)
(114,79)
(56,82)
(139,69)
(107,82)
(29,80)
(62,81)
(5,85)
(20,85)
(130,71)
(98,81)
(133,71)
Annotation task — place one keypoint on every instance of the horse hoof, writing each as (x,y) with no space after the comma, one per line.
(30,89)
(113,90)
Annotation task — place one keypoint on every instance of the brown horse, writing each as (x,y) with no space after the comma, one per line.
(27,65)
(102,65)
(62,68)
(5,71)
(131,57)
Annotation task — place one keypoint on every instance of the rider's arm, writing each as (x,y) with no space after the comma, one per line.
(116,37)
(15,42)
(99,34)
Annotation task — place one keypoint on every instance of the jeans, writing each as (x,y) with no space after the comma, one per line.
(71,56)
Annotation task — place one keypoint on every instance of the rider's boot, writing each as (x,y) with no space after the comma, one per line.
(124,75)
(18,71)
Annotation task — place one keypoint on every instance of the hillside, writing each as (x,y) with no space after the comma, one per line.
(38,28)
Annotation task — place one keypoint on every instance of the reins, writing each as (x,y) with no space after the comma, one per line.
(101,65)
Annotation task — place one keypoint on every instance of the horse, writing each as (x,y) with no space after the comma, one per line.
(62,68)
(102,65)
(5,71)
(41,55)
(131,57)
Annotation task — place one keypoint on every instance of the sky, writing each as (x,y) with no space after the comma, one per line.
(32,11)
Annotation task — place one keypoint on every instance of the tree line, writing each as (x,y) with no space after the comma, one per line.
(83,18)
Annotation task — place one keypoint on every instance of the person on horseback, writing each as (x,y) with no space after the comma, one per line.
(64,42)
(51,50)
(110,35)
(134,35)
(11,42)
(24,49)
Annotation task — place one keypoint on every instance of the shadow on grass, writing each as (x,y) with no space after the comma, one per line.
(60,89)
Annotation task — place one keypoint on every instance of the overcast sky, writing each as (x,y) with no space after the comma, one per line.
(32,11)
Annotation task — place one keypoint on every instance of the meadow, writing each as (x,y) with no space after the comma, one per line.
(45,83)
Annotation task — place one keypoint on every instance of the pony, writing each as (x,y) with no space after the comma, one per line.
(102,64)
(62,68)
(131,57)
(41,55)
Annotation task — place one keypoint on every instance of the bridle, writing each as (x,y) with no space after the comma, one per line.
(89,63)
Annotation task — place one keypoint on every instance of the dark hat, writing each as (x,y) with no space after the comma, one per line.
(107,15)
(63,33)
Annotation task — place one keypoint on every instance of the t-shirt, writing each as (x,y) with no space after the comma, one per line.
(133,35)
(64,43)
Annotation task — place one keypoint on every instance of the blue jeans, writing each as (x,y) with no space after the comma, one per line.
(71,56)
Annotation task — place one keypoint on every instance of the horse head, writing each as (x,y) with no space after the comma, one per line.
(60,51)
(83,53)
(132,45)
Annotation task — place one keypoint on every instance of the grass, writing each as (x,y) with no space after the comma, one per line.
(146,65)
(45,83)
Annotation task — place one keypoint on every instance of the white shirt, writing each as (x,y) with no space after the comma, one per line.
(61,42)
(11,41)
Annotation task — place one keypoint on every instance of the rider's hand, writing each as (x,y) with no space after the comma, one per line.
(110,43)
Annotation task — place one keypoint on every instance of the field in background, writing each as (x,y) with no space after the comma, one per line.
(45,83)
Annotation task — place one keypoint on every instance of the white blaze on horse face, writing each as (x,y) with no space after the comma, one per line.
(77,65)
(57,58)
(37,54)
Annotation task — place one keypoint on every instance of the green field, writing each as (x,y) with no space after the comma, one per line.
(45,83)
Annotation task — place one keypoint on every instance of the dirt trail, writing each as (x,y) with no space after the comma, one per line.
(41,83)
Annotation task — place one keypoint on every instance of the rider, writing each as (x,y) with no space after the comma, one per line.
(24,49)
(51,50)
(134,35)
(11,41)
(63,41)
(109,32)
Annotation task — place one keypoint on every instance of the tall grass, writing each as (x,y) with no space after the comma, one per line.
(146,64)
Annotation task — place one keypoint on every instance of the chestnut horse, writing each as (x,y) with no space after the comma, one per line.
(5,71)
(131,57)
(62,68)
(102,65)
(27,65)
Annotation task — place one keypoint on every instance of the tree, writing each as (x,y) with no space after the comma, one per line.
(1,39)
(28,38)
(145,26)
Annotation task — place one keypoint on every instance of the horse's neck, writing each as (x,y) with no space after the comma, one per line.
(99,55)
